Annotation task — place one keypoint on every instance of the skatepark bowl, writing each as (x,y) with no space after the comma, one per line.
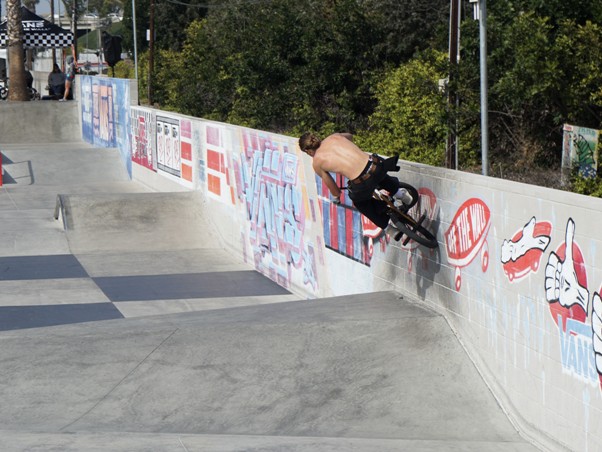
(126,326)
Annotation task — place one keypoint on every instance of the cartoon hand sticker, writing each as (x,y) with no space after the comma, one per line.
(597,330)
(515,250)
(561,279)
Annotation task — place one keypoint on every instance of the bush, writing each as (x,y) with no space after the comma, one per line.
(410,119)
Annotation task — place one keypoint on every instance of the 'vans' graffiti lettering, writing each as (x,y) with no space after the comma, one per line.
(576,352)
(267,176)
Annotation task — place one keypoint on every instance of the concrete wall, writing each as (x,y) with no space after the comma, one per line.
(517,273)
(39,122)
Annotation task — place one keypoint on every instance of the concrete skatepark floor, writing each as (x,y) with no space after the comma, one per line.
(111,340)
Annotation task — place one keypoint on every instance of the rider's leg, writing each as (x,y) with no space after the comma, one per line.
(391,184)
(374,210)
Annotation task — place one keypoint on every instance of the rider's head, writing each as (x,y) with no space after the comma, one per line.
(309,143)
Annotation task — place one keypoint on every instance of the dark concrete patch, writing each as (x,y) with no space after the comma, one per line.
(40,267)
(20,317)
(189,285)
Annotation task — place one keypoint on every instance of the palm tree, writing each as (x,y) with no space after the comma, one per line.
(30,5)
(16,63)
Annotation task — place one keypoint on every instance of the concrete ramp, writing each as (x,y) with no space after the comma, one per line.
(134,222)
(359,373)
(40,122)
(33,175)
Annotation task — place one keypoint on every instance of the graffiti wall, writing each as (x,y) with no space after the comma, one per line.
(142,136)
(105,110)
(262,178)
(517,274)
(580,149)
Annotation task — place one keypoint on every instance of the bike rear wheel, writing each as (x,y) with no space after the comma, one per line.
(413,230)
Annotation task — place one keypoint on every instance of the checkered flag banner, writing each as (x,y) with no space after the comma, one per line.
(38,33)
(42,41)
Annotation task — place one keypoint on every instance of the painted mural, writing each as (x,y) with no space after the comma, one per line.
(174,148)
(534,317)
(353,235)
(105,104)
(260,174)
(580,148)
(218,170)
(466,237)
(566,290)
(346,231)
(522,254)
(143,151)
(276,206)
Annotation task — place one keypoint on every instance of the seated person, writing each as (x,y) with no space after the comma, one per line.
(56,82)
(28,78)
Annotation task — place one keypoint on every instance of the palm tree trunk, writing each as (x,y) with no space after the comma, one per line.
(16,65)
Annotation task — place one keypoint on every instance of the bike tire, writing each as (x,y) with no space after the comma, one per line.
(413,230)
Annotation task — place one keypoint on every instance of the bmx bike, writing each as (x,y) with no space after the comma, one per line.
(409,227)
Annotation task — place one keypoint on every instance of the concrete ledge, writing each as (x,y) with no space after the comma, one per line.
(40,122)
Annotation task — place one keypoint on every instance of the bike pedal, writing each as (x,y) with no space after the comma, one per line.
(398,236)
(406,241)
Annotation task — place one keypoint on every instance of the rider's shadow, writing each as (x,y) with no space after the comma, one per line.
(429,262)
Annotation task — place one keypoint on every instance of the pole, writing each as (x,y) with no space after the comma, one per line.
(74,22)
(451,154)
(135,39)
(484,106)
(151,51)
(52,20)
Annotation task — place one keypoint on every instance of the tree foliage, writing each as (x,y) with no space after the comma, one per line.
(372,68)
(544,71)
(410,119)
(295,65)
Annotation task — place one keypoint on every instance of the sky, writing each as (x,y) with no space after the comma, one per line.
(42,8)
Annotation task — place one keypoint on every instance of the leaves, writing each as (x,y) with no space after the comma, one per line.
(372,67)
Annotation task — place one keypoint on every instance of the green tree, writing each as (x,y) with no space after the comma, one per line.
(410,119)
(542,72)
(292,65)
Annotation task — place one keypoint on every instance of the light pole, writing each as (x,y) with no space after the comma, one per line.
(480,14)
(484,104)
(451,153)
(135,39)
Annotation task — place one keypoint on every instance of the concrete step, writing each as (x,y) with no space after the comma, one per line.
(39,122)
(135,222)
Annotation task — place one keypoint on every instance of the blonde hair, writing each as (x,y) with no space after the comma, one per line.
(309,142)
